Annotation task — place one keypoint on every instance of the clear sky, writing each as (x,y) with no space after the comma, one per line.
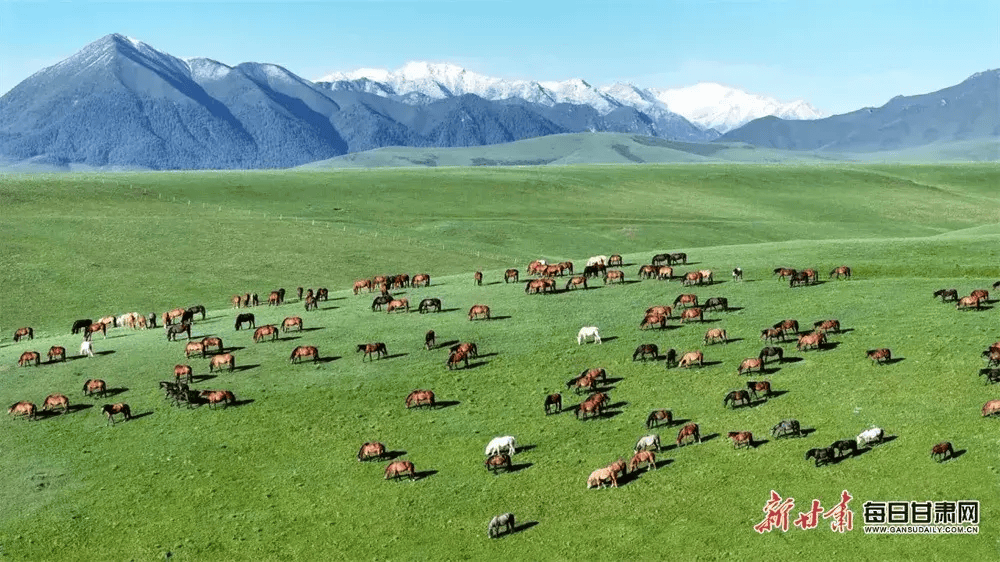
(838,55)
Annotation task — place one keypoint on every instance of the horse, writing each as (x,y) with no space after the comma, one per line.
(741,439)
(879,356)
(94,328)
(842,270)
(647,271)
(588,332)
(664,273)
(844,445)
(194,347)
(691,313)
(398,304)
(168,317)
(652,320)
(196,309)
(661,259)
(706,276)
(991,408)
(823,455)
(967,302)
(656,416)
(290,322)
(536,267)
(359,285)
(93,386)
(28,356)
(661,310)
(311,303)
(479,310)
(679,257)
(759,386)
(80,325)
(553,270)
(553,401)
(478,278)
(690,357)
(686,300)
(511,275)
(218,361)
(870,435)
(648,457)
(597,260)
(992,356)
(304,351)
(174,329)
(981,294)
(589,406)
(235,301)
(811,340)
(183,371)
(420,280)
(788,325)
(111,410)
(456,357)
(651,441)
(372,349)
(644,350)
(799,278)
(615,260)
(23,408)
(264,331)
(716,334)
(212,341)
(783,272)
(942,451)
(771,352)
(826,325)
(496,462)
(735,396)
(737,274)
(466,347)
(274,298)
(593,270)
(215,396)
(947,294)
(427,305)
(749,364)
(504,520)
(786,427)
(371,449)
(575,282)
(599,476)
(57,351)
(671,358)
(689,430)
(691,278)
(619,467)
(429,340)
(501,444)
(539,286)
(399,468)
(717,302)
(420,398)
(771,334)
(613,275)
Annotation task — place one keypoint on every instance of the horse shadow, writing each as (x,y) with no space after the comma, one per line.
(889,439)
(777,393)
(893,361)
(662,463)
(523,448)
(678,421)
(522,527)
(312,329)
(78,407)
(329,308)
(112,392)
(475,364)
(733,309)
(992,375)
(498,317)
(491,354)
(790,359)
(244,402)
(711,363)
(629,282)
(757,443)
(105,352)
(733,340)
(804,432)
(391,455)
(765,371)
(228,350)
(422,474)
(844,331)
(446,404)
(519,467)
(330,359)
(448,310)
(493,283)
(610,382)
(246,367)
(609,338)
(394,355)
(289,338)
(709,437)
(826,346)
(955,455)
(709,320)
(202,378)
(142,415)
(448,343)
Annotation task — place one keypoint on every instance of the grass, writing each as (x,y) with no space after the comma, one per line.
(275,477)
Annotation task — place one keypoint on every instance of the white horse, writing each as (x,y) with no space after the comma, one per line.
(506,443)
(505,520)
(597,260)
(875,434)
(648,442)
(86,349)
(588,332)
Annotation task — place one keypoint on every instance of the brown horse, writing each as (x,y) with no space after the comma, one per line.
(691,313)
(615,260)
(478,278)
(741,439)
(566,266)
(788,325)
(691,278)
(749,364)
(218,361)
(304,351)
(291,322)
(686,300)
(479,310)
(397,304)
(575,282)
(539,286)
(783,272)
(613,275)
(216,396)
(57,351)
(879,356)
(23,408)
(420,398)
(991,408)
(589,406)
(981,294)
(498,461)
(942,451)
(690,357)
(771,334)
(399,468)
(466,347)
(28,356)
(600,476)
(235,300)
(716,335)
(93,386)
(664,273)
(169,315)
(420,280)
(813,340)
(94,328)
(511,275)
(735,396)
(647,457)
(536,267)
(826,326)
(362,284)
(661,310)
(553,401)
(371,449)
(967,302)
(841,271)
(759,386)
(371,349)
(212,341)
(653,320)
(311,303)
(706,276)
(656,416)
(553,270)
(644,350)
(689,430)
(647,271)
(111,410)
(183,371)
(265,331)
(456,357)
(26,331)
(274,298)
(194,347)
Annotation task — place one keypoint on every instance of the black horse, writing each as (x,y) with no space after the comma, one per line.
(241,318)
(187,317)
(679,257)
(81,325)
(661,259)
(823,455)
(716,302)
(671,358)
(644,350)
(380,301)
(771,352)
(175,329)
(735,396)
(845,445)
(427,304)
(195,310)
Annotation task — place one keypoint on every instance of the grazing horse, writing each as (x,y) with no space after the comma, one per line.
(479,310)
(811,340)
(575,282)
(981,294)
(741,439)
(691,313)
(553,401)
(689,430)
(735,396)
(706,276)
(823,455)
(841,271)
(504,520)
(967,302)
(428,305)
(539,286)
(786,427)
(264,331)
(716,335)
(644,350)
(613,275)
(691,278)
(290,322)
(991,408)
(216,396)
(93,386)
(588,332)
(274,298)
(870,435)
(196,309)
(783,272)
(647,271)
(80,325)
(478,277)
(23,408)
(759,386)
(879,356)
(511,275)
(111,410)
(599,476)
(947,294)
(771,334)
(420,398)
(536,267)
(788,325)
(57,351)
(398,304)
(28,356)
(942,451)
(771,352)
(686,300)
(664,273)
(94,328)
(359,285)
(466,347)
(218,361)
(497,445)
(749,364)
(381,300)
(553,270)
(430,340)
(671,358)
(597,260)
(170,315)
(647,457)
(372,349)
(656,416)
(174,329)
(661,310)
(456,357)
(420,280)
(652,320)
(661,259)
(496,462)
(194,347)
(212,341)
(691,357)
(615,260)
(183,371)
(399,468)
(826,326)
(992,356)
(717,302)
(679,257)
(311,302)
(843,446)
(588,406)
(738,274)
(371,449)
(304,351)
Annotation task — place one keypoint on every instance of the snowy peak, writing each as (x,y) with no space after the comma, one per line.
(723,108)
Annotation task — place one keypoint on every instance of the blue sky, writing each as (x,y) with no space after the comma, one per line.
(838,55)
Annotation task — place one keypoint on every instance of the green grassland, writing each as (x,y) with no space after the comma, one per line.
(275,478)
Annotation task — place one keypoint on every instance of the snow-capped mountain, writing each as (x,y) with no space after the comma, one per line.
(723,109)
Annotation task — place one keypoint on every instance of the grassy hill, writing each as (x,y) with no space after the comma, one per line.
(276,477)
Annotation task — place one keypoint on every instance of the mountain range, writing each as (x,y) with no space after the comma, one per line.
(121,104)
